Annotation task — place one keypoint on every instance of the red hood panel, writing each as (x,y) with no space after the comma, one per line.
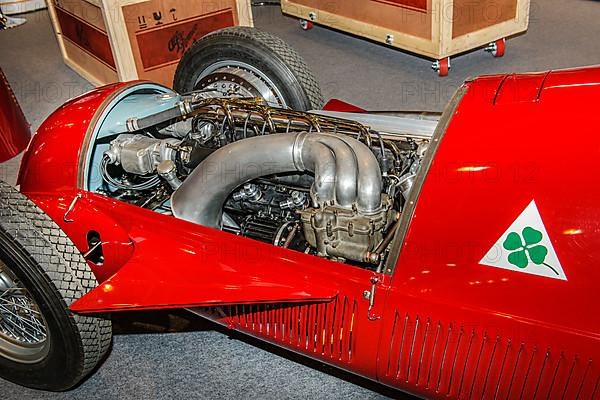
(177,264)
(139,285)
(532,141)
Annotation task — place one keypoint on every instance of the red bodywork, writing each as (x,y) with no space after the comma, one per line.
(443,325)
(14,129)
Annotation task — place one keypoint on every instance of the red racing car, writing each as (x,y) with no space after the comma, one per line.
(449,256)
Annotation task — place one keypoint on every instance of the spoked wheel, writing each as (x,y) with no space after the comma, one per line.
(23,329)
(42,344)
(245,62)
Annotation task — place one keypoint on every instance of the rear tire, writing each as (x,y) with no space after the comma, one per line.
(41,274)
(249,62)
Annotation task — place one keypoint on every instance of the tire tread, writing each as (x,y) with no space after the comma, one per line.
(284,51)
(61,264)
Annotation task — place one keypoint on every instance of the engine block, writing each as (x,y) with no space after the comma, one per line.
(333,187)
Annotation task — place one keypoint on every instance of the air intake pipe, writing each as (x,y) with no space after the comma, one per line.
(346,173)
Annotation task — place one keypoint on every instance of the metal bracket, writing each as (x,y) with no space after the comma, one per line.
(100,244)
(92,249)
(370,296)
(71,207)
(3,21)
(491,48)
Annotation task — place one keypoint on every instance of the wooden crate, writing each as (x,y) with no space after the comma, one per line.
(433,28)
(110,40)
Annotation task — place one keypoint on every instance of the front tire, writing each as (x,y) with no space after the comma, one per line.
(42,344)
(246,62)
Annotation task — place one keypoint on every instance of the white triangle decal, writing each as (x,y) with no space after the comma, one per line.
(526,247)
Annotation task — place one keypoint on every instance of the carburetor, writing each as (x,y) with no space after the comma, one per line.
(345,233)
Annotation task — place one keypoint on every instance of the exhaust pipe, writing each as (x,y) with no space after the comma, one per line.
(346,173)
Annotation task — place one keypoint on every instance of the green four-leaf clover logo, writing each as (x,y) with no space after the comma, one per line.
(525,248)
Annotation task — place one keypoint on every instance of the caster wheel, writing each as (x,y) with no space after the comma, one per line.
(306,25)
(442,66)
(497,48)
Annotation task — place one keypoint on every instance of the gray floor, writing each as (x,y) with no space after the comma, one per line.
(203,362)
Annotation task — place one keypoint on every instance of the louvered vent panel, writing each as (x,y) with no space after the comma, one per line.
(326,329)
(458,361)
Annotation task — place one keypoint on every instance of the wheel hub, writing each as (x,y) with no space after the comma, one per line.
(238,79)
(5,281)
(23,331)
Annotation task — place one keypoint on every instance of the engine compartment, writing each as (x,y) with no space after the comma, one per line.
(320,184)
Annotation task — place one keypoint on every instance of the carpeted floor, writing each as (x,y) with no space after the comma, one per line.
(150,360)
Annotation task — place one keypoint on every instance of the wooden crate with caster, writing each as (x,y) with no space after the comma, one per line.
(436,29)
